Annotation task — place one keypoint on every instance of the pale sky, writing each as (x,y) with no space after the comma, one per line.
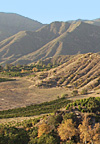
(47,11)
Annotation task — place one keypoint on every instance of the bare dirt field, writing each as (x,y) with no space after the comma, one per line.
(22,92)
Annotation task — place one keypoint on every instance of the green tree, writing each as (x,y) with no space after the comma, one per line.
(46,139)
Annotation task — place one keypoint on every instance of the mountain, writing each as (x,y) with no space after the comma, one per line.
(93,22)
(80,71)
(26,42)
(56,60)
(57,38)
(78,38)
(11,24)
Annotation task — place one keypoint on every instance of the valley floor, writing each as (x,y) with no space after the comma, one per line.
(22,92)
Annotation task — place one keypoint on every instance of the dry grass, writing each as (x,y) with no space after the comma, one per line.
(18,119)
(82,70)
(94,93)
(22,92)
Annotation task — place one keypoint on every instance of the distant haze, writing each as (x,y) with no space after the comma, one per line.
(36,41)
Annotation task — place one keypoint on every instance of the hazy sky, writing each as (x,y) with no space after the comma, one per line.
(47,11)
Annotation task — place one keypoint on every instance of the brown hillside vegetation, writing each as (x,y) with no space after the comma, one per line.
(83,70)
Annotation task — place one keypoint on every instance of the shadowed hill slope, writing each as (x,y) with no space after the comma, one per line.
(94,22)
(26,42)
(78,38)
(56,60)
(11,24)
(58,38)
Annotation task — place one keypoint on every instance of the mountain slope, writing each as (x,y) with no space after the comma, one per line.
(56,60)
(78,38)
(94,22)
(26,42)
(81,71)
(57,38)
(11,24)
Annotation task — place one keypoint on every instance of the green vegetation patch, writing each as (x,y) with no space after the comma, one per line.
(6,79)
(91,104)
(37,109)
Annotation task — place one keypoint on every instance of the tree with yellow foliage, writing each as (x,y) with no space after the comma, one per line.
(89,134)
(43,129)
(96,133)
(35,69)
(67,130)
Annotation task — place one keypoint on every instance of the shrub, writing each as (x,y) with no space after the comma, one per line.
(84,91)
(69,116)
(64,95)
(75,93)
(46,139)
(79,107)
(74,104)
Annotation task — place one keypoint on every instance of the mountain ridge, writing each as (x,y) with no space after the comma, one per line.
(31,40)
(83,43)
(57,38)
(11,23)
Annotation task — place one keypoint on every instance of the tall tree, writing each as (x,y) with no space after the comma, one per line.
(43,129)
(67,130)
(89,134)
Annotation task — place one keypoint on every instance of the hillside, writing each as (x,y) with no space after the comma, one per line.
(79,38)
(81,71)
(95,22)
(78,122)
(26,42)
(11,24)
(56,60)
(57,38)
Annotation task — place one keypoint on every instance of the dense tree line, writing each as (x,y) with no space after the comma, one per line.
(22,70)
